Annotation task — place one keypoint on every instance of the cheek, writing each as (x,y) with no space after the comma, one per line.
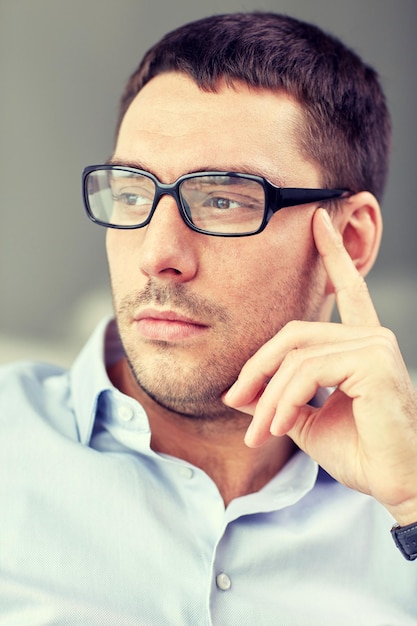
(236,282)
(122,260)
(272,281)
(257,265)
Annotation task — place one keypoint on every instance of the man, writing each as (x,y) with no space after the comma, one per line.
(175,480)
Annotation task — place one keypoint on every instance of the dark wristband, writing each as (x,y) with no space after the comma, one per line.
(405,538)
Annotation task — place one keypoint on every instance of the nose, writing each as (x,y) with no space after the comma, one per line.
(169,247)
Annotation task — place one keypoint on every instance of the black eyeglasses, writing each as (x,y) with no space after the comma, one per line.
(225,204)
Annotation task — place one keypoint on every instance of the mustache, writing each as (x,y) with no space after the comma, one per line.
(176,296)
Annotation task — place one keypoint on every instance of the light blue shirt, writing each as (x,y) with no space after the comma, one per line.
(98,529)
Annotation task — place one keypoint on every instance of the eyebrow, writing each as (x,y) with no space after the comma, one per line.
(141,165)
(123,163)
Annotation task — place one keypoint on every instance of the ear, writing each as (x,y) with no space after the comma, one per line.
(359,222)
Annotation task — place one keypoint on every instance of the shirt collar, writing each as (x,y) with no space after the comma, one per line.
(89,379)
(88,375)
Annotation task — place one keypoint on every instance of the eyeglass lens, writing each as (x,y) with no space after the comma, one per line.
(213,203)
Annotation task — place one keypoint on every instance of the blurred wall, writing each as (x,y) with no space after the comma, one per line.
(62,68)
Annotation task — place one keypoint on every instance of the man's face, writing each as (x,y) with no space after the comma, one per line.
(192,308)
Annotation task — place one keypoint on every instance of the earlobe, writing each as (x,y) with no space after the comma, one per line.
(360,225)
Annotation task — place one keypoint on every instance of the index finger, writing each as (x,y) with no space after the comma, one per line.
(352,296)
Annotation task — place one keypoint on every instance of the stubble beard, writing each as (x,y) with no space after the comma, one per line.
(192,388)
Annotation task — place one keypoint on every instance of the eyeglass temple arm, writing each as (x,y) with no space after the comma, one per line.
(289,196)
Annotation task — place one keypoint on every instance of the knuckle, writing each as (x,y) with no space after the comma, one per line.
(383,349)
(388,336)
(357,286)
(291,327)
(292,360)
(361,285)
(386,342)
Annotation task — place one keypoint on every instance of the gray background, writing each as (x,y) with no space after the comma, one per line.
(63,66)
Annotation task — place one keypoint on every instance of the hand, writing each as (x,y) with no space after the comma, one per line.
(365,433)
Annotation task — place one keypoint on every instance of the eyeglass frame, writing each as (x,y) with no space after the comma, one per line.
(276,198)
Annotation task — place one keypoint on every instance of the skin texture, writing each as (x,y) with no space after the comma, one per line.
(197,312)
(220,283)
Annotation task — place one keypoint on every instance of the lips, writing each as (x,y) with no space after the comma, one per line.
(156,325)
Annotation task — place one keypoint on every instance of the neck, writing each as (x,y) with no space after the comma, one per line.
(221,452)
(214,445)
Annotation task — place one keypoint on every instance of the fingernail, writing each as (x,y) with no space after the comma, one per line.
(230,393)
(326,219)
(249,432)
(275,428)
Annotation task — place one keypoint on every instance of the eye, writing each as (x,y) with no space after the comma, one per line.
(130,206)
(132,191)
(226,201)
(131,199)
(222,203)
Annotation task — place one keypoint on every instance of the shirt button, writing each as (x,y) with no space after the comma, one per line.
(223,581)
(185,472)
(125,413)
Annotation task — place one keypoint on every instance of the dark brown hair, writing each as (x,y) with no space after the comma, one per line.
(347,124)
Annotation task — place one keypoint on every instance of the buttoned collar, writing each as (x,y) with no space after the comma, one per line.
(89,378)
(93,394)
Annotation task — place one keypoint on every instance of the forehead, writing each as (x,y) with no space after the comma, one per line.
(173,127)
